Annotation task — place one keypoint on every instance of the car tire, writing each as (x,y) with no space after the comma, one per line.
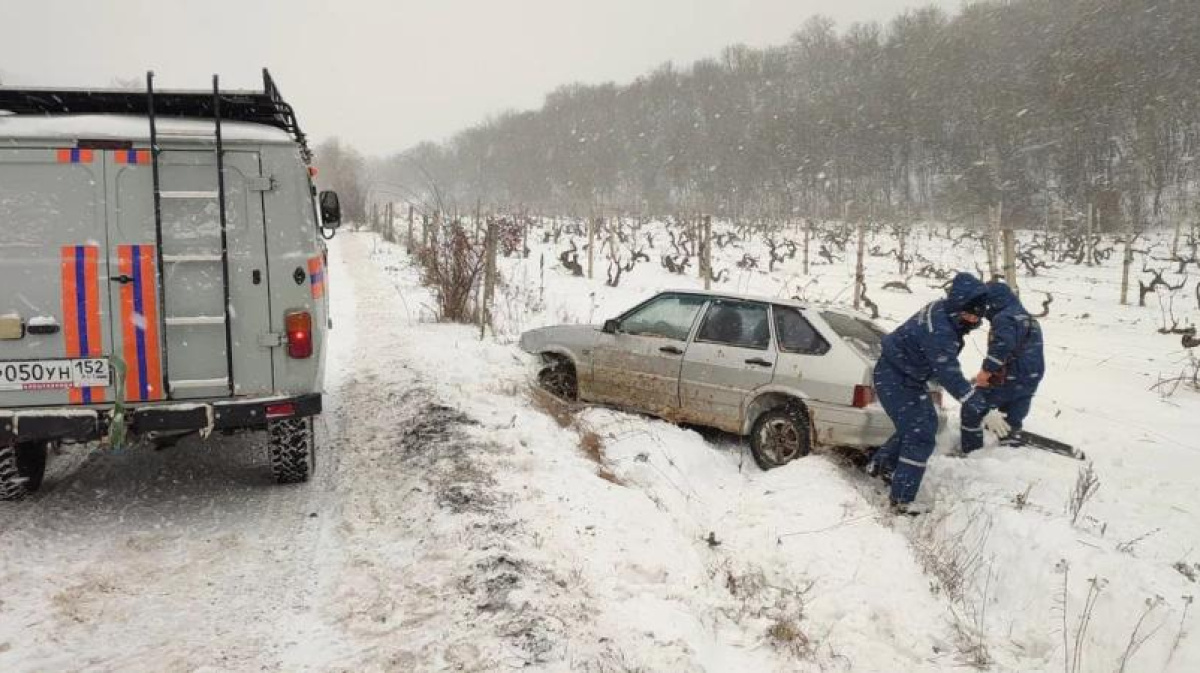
(22,469)
(292,447)
(780,436)
(558,378)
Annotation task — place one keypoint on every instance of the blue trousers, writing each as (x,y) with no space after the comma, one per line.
(1013,401)
(908,404)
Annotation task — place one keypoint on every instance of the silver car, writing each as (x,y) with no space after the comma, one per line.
(785,374)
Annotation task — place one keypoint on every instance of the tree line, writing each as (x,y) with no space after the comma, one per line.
(1036,109)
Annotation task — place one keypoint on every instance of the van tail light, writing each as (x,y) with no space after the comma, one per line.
(863,396)
(299,334)
(937,397)
(281,410)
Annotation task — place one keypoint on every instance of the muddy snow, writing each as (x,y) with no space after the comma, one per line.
(461,520)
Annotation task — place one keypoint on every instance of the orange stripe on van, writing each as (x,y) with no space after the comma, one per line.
(82,332)
(70,311)
(128,330)
(91,279)
(143,377)
(150,307)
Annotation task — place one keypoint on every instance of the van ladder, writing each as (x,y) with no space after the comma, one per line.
(158,235)
(176,321)
(224,231)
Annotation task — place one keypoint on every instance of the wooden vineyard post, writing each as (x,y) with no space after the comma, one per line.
(409,242)
(706,251)
(1087,243)
(592,222)
(990,243)
(524,236)
(489,275)
(807,236)
(860,279)
(391,222)
(479,232)
(1010,259)
(612,241)
(1125,264)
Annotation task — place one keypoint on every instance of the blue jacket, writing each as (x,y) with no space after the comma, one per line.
(927,346)
(1015,341)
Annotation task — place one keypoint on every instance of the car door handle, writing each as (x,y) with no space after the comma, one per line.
(672,350)
(760,362)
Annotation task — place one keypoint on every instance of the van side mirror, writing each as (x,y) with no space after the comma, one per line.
(611,326)
(331,210)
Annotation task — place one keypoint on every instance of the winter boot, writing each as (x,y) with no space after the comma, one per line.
(909,508)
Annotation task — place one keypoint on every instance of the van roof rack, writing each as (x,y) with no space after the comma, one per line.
(258,107)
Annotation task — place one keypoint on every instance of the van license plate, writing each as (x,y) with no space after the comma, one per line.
(54,374)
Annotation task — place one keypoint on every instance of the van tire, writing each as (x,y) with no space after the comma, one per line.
(13,486)
(780,436)
(292,448)
(31,463)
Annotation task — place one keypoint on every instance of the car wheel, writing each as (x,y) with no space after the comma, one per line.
(292,448)
(559,379)
(780,436)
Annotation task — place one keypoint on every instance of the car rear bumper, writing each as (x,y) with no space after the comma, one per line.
(82,425)
(837,425)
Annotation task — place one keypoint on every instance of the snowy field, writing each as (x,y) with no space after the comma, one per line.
(460,521)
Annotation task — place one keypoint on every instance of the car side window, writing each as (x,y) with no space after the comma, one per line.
(796,334)
(736,323)
(669,317)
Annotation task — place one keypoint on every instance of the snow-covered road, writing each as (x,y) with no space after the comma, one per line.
(455,524)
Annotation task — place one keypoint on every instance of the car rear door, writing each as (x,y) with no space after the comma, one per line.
(809,361)
(638,366)
(183,350)
(55,301)
(729,358)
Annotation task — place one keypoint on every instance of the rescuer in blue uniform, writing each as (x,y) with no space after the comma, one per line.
(1011,372)
(924,348)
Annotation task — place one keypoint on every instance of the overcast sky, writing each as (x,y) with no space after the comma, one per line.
(386,74)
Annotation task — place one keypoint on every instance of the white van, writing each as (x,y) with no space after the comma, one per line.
(162,273)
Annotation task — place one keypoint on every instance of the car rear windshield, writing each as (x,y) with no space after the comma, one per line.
(862,334)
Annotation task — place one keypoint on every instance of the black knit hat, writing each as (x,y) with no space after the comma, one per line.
(977,306)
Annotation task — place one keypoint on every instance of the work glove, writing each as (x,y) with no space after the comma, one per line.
(995,423)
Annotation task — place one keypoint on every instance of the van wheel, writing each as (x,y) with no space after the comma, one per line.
(292,449)
(780,436)
(559,379)
(22,468)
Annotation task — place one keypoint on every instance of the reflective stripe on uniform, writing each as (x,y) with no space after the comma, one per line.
(996,360)
(979,429)
(967,396)
(909,461)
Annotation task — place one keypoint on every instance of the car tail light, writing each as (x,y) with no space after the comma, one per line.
(281,410)
(863,396)
(299,334)
(937,397)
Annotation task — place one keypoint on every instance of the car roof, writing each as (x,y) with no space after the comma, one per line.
(782,301)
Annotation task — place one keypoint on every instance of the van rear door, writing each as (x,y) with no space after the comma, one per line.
(198,358)
(54,306)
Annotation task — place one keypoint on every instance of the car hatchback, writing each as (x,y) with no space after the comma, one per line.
(784,374)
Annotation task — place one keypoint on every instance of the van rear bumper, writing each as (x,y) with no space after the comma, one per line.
(83,425)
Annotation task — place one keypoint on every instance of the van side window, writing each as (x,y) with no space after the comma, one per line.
(796,334)
(669,316)
(736,323)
